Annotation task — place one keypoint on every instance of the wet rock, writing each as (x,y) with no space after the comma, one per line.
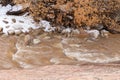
(36,41)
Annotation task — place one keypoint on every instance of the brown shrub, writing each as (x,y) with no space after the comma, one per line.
(76,13)
(92,12)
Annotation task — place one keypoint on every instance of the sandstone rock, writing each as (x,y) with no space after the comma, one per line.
(63,72)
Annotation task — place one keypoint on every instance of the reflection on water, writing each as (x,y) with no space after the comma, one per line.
(14,53)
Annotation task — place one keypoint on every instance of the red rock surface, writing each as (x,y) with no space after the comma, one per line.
(64,72)
(44,70)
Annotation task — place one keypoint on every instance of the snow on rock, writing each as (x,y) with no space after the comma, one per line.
(94,34)
(67,30)
(46,25)
(13,23)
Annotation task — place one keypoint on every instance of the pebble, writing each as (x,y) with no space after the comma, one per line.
(11,32)
(27,39)
(36,41)
(17,32)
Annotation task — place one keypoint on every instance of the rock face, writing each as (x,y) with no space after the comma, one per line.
(64,72)
(7,49)
(59,58)
(49,49)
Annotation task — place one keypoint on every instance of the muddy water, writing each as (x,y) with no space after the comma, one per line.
(19,52)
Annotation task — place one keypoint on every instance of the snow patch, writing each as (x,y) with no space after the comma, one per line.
(10,23)
(5,9)
(46,25)
(17,7)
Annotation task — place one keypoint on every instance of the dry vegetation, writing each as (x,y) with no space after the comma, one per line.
(75,13)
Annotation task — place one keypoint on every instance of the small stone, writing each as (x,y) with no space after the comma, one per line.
(93,34)
(17,32)
(36,41)
(21,21)
(11,32)
(27,39)
(6,22)
(7,26)
(105,33)
(14,20)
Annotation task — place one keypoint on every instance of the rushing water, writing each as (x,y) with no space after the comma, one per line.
(15,53)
